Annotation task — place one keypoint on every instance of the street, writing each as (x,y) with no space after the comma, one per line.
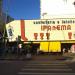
(10,67)
(39,65)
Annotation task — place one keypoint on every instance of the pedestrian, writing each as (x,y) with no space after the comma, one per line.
(37,51)
(64,50)
(19,48)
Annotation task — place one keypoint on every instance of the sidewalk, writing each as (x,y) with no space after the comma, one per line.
(49,57)
(12,57)
(71,56)
(65,57)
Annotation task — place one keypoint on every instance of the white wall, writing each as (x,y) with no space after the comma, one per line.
(60,8)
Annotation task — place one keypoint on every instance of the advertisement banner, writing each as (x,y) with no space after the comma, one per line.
(42,30)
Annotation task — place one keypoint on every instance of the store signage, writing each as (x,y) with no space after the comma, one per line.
(67,21)
(55,27)
(48,35)
(42,36)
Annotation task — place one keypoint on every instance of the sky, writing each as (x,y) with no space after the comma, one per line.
(22,9)
(30,9)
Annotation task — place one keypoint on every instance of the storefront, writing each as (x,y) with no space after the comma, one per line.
(52,35)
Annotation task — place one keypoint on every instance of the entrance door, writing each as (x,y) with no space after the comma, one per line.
(55,47)
(67,46)
(50,46)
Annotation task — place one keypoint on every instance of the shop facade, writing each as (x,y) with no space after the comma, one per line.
(50,35)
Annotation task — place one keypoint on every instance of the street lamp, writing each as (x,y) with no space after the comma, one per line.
(4,29)
(44,15)
(47,34)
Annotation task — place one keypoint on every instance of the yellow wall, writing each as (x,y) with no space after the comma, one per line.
(50,46)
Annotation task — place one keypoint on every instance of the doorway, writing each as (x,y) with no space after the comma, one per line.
(67,46)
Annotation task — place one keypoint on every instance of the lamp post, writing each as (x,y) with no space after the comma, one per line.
(44,14)
(4,29)
(47,34)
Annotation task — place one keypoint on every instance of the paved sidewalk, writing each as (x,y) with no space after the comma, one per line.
(49,57)
(12,57)
(71,56)
(65,57)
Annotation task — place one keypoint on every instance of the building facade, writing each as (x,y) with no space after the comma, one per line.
(53,32)
(52,35)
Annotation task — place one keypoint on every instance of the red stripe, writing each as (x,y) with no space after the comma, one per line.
(23,30)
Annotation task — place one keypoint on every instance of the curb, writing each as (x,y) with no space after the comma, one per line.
(17,58)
